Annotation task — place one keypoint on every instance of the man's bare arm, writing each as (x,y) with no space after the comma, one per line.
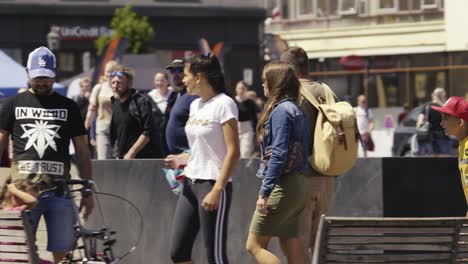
(3,141)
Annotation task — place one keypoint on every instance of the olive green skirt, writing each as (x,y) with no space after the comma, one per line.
(286,206)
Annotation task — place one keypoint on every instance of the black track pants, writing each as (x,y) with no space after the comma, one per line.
(190,216)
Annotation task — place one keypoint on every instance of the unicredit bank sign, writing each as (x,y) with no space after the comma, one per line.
(82,33)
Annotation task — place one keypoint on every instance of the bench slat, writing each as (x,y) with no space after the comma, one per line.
(15,256)
(11,232)
(11,222)
(387,257)
(10,215)
(387,239)
(13,248)
(338,231)
(403,247)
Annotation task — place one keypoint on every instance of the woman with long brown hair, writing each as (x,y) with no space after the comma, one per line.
(282,131)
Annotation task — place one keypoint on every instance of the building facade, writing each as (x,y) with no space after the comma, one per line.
(178,26)
(394,51)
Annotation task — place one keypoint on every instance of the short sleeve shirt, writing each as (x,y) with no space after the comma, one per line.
(463,165)
(101,98)
(41,128)
(205,135)
(363,117)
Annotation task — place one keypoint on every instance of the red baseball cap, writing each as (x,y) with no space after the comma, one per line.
(455,106)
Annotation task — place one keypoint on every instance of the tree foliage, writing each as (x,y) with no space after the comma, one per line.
(126,23)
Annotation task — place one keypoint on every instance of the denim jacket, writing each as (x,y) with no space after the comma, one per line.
(284,146)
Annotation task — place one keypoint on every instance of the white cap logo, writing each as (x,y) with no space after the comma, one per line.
(41,62)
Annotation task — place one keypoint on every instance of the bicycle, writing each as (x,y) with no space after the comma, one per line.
(89,249)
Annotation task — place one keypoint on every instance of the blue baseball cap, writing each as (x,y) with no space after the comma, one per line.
(41,63)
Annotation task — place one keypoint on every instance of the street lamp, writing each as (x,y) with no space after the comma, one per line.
(53,38)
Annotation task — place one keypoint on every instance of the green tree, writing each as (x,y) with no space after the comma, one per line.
(128,24)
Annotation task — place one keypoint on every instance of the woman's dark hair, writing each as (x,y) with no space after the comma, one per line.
(209,67)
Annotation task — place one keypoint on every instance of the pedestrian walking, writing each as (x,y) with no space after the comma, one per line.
(365,124)
(163,100)
(131,127)
(100,109)
(321,187)
(282,198)
(42,123)
(214,151)
(247,120)
(176,138)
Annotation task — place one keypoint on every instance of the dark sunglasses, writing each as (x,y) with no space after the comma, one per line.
(176,70)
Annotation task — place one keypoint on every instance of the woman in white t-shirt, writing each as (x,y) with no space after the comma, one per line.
(213,139)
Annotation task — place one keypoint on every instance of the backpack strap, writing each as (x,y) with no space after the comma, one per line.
(330,96)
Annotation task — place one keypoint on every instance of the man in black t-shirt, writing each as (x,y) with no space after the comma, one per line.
(41,123)
(131,128)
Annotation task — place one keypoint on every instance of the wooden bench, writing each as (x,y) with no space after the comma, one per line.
(391,240)
(17,242)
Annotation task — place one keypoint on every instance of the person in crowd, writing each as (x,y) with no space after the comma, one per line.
(131,127)
(42,123)
(82,100)
(247,120)
(402,115)
(100,109)
(18,195)
(321,188)
(214,151)
(163,101)
(176,138)
(365,124)
(282,129)
(438,143)
(455,123)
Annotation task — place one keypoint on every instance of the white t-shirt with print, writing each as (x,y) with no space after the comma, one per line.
(206,137)
(363,118)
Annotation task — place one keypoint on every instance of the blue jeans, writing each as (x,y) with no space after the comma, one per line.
(436,146)
(59,215)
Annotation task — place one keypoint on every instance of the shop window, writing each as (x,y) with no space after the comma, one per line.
(409,5)
(460,58)
(427,60)
(277,8)
(348,7)
(178,1)
(387,6)
(327,7)
(305,8)
(429,4)
(66,62)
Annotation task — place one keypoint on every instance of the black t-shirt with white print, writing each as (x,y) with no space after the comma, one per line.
(41,128)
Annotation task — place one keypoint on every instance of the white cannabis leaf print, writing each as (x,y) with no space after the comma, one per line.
(40,136)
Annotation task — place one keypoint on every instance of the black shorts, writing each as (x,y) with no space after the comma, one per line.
(190,216)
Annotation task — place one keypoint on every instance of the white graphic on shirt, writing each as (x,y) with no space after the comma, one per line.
(40,136)
(41,62)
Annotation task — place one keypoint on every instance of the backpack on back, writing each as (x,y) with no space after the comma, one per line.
(336,136)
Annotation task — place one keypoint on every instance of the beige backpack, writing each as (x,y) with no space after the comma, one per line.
(336,135)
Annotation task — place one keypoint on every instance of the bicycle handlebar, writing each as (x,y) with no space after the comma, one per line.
(83,182)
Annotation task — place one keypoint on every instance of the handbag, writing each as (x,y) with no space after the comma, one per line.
(423,132)
(368,142)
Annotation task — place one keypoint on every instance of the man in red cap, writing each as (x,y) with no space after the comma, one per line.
(455,123)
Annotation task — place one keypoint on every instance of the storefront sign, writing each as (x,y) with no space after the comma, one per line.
(353,62)
(83,33)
